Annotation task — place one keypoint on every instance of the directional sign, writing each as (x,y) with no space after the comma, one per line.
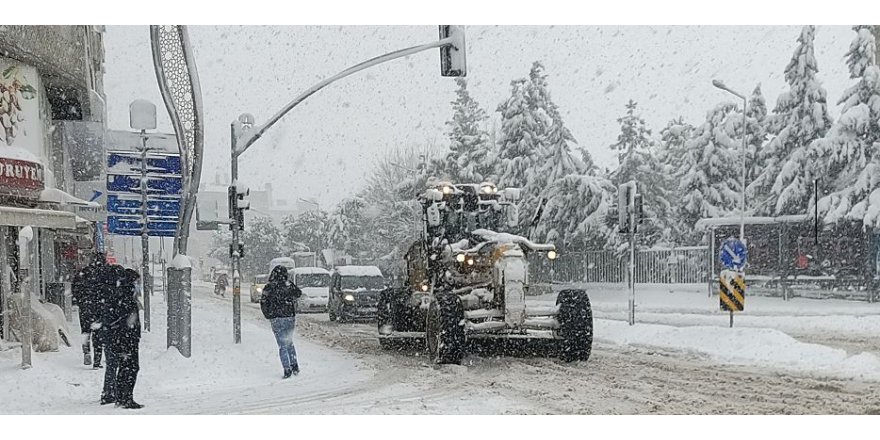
(131,205)
(733,254)
(121,162)
(169,185)
(732,293)
(133,225)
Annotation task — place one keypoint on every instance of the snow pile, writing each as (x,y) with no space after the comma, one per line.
(181,262)
(761,347)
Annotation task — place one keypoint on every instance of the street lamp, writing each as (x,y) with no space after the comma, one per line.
(742,210)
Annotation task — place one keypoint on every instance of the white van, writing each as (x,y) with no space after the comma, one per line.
(315,285)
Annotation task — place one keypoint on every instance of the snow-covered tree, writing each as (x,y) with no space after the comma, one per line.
(470,157)
(575,216)
(799,118)
(849,155)
(672,143)
(709,178)
(637,162)
(262,242)
(518,148)
(348,226)
(757,135)
(307,230)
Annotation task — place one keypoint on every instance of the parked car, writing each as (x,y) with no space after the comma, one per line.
(354,292)
(257,287)
(315,285)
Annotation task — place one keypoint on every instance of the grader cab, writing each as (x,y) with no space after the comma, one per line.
(467,278)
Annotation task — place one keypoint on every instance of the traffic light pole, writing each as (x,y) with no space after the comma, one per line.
(244,134)
(235,257)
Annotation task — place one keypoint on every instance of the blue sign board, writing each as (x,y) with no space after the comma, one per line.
(133,225)
(166,185)
(733,254)
(131,205)
(163,188)
(126,161)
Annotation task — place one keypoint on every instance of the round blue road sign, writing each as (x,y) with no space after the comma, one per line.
(733,254)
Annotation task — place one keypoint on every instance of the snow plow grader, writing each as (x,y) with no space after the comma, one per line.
(467,279)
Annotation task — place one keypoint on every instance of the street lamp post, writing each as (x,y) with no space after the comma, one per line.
(742,208)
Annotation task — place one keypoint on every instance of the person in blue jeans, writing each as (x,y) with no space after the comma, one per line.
(278,304)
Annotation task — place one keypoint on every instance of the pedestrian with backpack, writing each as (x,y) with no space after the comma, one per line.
(278,304)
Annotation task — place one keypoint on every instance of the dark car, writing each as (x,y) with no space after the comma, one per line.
(354,293)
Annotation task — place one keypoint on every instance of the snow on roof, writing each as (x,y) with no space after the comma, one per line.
(18,153)
(733,221)
(310,270)
(359,271)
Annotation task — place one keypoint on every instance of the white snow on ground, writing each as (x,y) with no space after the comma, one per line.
(763,347)
(222,377)
(217,377)
(690,304)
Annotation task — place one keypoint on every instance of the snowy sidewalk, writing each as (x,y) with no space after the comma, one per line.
(220,376)
(690,305)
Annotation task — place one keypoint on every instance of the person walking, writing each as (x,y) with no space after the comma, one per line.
(125,341)
(87,297)
(278,304)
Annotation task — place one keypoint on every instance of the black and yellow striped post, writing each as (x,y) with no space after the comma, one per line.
(732,292)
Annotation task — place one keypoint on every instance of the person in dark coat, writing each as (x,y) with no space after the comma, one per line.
(111,312)
(120,332)
(87,297)
(278,304)
(125,341)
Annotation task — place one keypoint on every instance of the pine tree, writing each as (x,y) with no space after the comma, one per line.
(575,217)
(672,144)
(849,154)
(671,155)
(757,135)
(637,162)
(709,183)
(470,158)
(519,144)
(800,117)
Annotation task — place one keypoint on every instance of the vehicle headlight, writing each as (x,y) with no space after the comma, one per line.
(470,261)
(259,290)
(552,255)
(447,190)
(424,287)
(460,258)
(349,297)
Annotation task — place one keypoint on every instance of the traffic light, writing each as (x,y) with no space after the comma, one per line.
(232,249)
(237,204)
(452,56)
(627,199)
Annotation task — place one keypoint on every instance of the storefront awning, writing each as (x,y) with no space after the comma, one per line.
(55,195)
(38,218)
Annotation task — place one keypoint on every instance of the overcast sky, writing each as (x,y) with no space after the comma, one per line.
(323,148)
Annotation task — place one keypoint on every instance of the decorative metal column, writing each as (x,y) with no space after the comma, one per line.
(179,83)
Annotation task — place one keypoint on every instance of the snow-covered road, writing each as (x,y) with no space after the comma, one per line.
(681,370)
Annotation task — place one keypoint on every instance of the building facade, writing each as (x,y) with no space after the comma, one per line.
(52,123)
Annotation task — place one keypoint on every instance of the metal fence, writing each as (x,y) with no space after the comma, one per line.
(663,266)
